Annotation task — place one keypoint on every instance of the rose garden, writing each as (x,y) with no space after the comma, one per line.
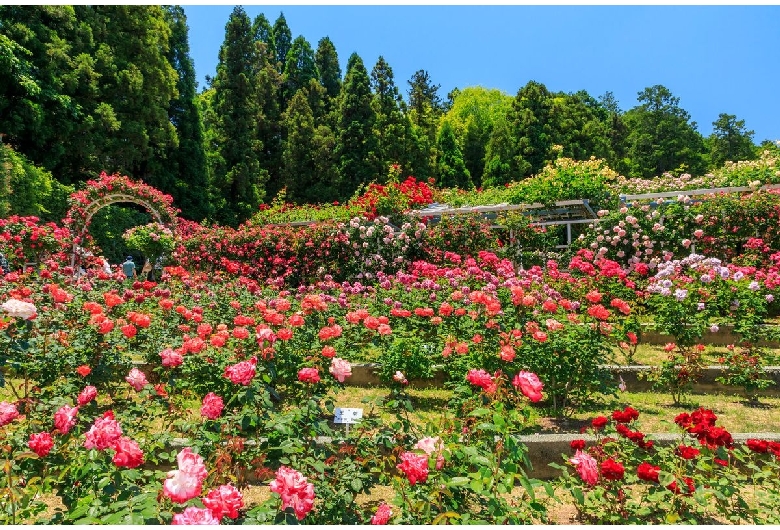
(153,402)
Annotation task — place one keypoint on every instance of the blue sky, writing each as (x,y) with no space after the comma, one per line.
(714,58)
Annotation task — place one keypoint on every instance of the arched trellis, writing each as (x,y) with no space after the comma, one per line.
(110,189)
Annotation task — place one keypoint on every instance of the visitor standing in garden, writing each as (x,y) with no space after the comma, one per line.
(4,264)
(106,266)
(128,267)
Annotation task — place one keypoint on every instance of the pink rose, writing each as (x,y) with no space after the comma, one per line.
(340,369)
(481,379)
(65,418)
(242,373)
(41,443)
(8,413)
(186,482)
(85,396)
(225,500)
(137,379)
(414,466)
(171,358)
(193,515)
(309,375)
(103,433)
(295,491)
(529,385)
(382,515)
(128,454)
(212,406)
(586,467)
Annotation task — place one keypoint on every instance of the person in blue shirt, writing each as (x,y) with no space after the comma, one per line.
(128,267)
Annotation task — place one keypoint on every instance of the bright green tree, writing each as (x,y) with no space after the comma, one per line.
(263,32)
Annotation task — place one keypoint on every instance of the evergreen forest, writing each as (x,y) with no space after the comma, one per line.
(85,89)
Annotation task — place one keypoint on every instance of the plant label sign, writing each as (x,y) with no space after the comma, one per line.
(347,415)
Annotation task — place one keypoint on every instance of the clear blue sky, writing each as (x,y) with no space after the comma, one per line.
(714,58)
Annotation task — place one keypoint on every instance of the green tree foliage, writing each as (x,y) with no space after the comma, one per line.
(730,140)
(263,32)
(185,164)
(392,127)
(661,136)
(473,113)
(616,132)
(299,68)
(356,144)
(299,167)
(282,41)
(238,177)
(580,126)
(327,61)
(424,110)
(451,171)
(26,189)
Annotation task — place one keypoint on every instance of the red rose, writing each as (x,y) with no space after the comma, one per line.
(648,472)
(577,444)
(687,452)
(599,422)
(625,416)
(612,470)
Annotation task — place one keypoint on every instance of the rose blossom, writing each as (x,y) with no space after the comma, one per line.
(86,395)
(242,373)
(128,454)
(8,413)
(186,482)
(586,467)
(65,418)
(648,472)
(295,491)
(193,516)
(171,358)
(340,369)
(382,515)
(529,385)
(612,470)
(309,375)
(18,309)
(41,443)
(137,379)
(414,466)
(212,406)
(103,433)
(225,500)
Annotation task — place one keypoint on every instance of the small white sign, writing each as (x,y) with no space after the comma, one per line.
(347,415)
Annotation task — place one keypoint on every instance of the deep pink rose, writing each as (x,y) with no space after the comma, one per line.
(586,467)
(414,466)
(309,375)
(171,358)
(529,385)
(103,433)
(212,406)
(85,396)
(295,491)
(65,418)
(186,482)
(382,515)
(128,454)
(242,373)
(137,379)
(41,443)
(8,413)
(226,500)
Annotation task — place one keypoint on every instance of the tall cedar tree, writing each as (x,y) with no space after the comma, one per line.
(298,171)
(392,127)
(424,110)
(661,136)
(269,125)
(282,41)
(327,61)
(136,82)
(356,145)
(262,31)
(451,171)
(238,178)
(187,163)
(299,69)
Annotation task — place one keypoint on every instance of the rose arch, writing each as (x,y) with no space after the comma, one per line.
(110,189)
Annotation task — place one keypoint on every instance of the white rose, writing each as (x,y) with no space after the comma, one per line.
(17,308)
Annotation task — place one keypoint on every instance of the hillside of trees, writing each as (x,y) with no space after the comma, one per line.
(90,88)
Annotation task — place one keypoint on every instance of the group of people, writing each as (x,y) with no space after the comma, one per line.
(147,272)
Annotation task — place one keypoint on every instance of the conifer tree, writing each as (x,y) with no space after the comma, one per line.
(391,128)
(263,32)
(451,171)
(356,144)
(299,69)
(327,61)
(282,41)
(238,176)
